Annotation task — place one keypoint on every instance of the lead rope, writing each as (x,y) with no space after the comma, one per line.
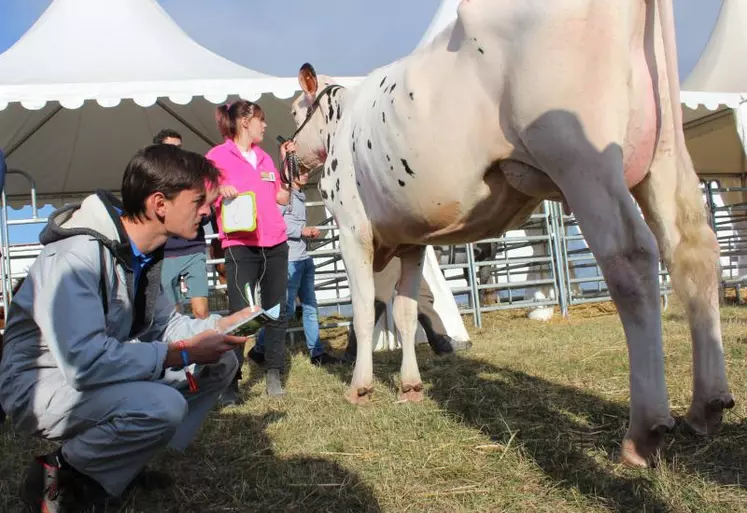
(290,163)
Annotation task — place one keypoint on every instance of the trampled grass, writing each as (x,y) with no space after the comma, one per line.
(530,419)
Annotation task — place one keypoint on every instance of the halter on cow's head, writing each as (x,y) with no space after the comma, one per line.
(315,113)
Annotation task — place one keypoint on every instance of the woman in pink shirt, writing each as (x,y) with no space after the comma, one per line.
(258,252)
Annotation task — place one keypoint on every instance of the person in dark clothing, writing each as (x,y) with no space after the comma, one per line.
(185,258)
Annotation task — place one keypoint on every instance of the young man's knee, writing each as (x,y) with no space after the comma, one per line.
(166,405)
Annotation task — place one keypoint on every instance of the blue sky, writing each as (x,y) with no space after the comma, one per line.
(340,37)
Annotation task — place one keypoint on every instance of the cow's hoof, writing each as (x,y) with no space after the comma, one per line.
(705,418)
(411,393)
(359,395)
(637,449)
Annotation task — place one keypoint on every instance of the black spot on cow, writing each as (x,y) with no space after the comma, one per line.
(480,50)
(391,168)
(401,183)
(373,105)
(331,111)
(293,113)
(382,82)
(332,195)
(392,101)
(328,139)
(388,159)
(324,193)
(334,92)
(358,183)
(337,185)
(353,146)
(392,88)
(383,117)
(334,164)
(339,111)
(369,144)
(407,168)
(412,96)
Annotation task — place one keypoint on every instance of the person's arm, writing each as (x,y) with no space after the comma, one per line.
(67,284)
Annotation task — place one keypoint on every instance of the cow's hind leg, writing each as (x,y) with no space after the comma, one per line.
(405,313)
(593,184)
(673,206)
(357,253)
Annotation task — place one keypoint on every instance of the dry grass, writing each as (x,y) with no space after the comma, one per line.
(529,420)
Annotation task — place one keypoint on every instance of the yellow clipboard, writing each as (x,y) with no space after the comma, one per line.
(239,214)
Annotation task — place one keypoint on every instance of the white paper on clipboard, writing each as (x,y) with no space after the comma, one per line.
(239,214)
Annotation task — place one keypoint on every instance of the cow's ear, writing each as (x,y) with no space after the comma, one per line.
(307,79)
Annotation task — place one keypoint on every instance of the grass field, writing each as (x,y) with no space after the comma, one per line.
(530,419)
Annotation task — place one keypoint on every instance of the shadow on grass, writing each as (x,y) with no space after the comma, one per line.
(571,435)
(231,467)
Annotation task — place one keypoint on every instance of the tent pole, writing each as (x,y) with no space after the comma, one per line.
(36,128)
(185,123)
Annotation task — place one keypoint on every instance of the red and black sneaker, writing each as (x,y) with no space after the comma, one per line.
(50,487)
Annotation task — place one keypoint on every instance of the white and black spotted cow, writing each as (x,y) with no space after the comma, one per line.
(513,103)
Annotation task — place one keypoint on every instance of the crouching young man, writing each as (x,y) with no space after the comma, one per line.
(94,353)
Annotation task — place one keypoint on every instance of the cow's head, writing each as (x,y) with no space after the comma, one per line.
(311,140)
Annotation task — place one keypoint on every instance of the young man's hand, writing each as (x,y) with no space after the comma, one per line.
(205,347)
(310,232)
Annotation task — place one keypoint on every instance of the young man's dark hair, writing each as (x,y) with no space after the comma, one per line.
(166,133)
(167,169)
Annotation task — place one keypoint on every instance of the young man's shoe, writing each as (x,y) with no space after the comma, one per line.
(49,487)
(325,359)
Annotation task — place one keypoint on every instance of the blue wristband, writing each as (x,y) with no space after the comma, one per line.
(183,352)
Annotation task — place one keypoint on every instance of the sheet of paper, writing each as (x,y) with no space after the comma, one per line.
(239,214)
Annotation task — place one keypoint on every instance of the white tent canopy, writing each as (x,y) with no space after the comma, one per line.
(91,82)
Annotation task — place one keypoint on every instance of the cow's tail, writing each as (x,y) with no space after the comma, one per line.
(696,255)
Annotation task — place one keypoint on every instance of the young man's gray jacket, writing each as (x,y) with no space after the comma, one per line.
(70,323)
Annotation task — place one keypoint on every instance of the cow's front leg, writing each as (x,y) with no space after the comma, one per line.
(357,253)
(406,319)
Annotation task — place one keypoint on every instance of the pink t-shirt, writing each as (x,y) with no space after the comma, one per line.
(264,181)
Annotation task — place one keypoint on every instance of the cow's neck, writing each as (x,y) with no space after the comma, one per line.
(332,108)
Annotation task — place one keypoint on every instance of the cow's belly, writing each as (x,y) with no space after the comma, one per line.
(447,213)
